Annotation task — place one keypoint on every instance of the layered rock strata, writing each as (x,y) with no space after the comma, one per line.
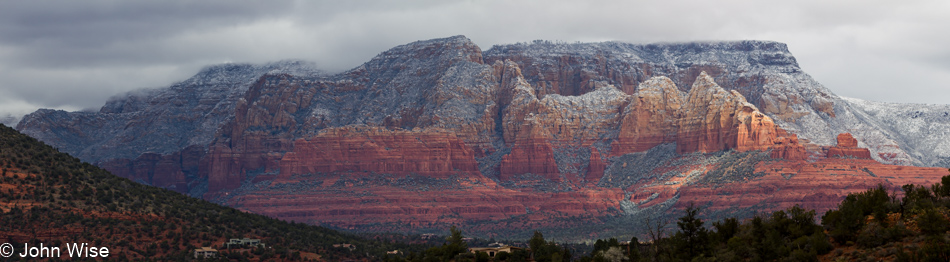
(379,150)
(819,185)
(847,147)
(438,132)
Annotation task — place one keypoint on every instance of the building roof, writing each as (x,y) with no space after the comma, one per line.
(206,249)
(494,248)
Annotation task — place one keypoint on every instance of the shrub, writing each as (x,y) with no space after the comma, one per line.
(844,223)
(931,222)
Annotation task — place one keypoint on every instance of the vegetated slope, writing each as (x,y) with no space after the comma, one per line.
(873,225)
(50,197)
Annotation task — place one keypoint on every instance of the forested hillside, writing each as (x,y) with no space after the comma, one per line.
(874,225)
(52,198)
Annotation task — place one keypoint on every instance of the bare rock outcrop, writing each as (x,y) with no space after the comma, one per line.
(819,185)
(788,147)
(707,119)
(715,119)
(651,117)
(436,154)
(848,148)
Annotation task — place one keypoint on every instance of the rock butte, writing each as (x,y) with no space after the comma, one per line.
(848,148)
(437,133)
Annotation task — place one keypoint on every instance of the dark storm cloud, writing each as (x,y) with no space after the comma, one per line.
(69,33)
(74,55)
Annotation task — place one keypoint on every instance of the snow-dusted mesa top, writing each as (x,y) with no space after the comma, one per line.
(742,55)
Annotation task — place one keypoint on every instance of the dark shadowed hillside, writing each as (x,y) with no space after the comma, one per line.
(52,198)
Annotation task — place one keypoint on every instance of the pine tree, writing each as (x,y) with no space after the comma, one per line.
(692,236)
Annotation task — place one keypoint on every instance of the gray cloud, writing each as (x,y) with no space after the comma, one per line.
(74,55)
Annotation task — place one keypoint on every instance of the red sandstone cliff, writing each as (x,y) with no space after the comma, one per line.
(437,154)
(651,117)
(166,171)
(819,185)
(715,119)
(431,133)
(847,147)
(707,119)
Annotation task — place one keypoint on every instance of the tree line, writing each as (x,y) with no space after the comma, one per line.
(873,225)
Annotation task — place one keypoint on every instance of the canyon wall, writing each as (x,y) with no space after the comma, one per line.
(439,132)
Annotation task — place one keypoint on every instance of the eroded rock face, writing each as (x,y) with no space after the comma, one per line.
(707,119)
(651,117)
(819,185)
(174,171)
(385,204)
(181,120)
(787,147)
(438,84)
(715,119)
(436,132)
(393,162)
(765,73)
(848,148)
(509,116)
(373,149)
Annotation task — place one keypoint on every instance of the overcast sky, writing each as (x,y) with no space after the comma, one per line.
(74,55)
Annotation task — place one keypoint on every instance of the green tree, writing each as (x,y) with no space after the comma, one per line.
(599,245)
(482,257)
(456,241)
(932,223)
(935,249)
(844,223)
(518,255)
(536,243)
(633,251)
(502,256)
(726,229)
(692,237)
(942,189)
